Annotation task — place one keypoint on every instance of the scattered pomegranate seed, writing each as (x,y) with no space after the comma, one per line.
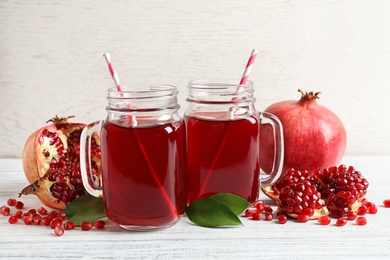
(268,208)
(302,218)
(42,211)
(351,215)
(341,222)
(259,205)
(99,224)
(324,220)
(386,203)
(55,223)
(268,216)
(87,225)
(37,219)
(6,211)
(19,205)
(18,214)
(28,219)
(59,231)
(256,216)
(45,221)
(11,202)
(361,221)
(249,212)
(372,209)
(13,219)
(362,210)
(69,225)
(282,219)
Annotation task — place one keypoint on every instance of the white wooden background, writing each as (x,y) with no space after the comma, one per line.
(51,57)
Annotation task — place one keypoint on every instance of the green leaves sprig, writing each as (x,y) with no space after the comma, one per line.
(85,208)
(220,210)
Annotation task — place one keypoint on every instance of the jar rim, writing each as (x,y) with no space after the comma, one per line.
(217,83)
(138,91)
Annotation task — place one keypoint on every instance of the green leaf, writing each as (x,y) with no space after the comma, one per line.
(90,213)
(208,212)
(82,202)
(236,203)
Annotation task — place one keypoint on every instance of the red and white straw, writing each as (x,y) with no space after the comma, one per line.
(113,72)
(133,121)
(248,67)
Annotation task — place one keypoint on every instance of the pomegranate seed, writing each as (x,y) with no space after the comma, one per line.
(11,202)
(32,211)
(386,203)
(59,231)
(351,215)
(54,223)
(302,218)
(259,205)
(6,211)
(268,208)
(361,221)
(45,221)
(37,219)
(19,214)
(99,224)
(324,220)
(341,222)
(42,211)
(372,209)
(69,225)
(256,216)
(308,211)
(282,219)
(268,216)
(249,212)
(28,219)
(362,210)
(62,215)
(86,225)
(19,205)
(13,219)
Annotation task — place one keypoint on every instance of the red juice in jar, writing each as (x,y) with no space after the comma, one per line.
(144,190)
(222,156)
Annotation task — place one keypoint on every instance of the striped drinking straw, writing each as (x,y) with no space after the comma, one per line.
(244,78)
(114,75)
(113,72)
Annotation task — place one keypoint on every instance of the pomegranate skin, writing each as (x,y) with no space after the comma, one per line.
(314,136)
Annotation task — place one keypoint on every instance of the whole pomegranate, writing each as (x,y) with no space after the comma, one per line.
(314,137)
(51,162)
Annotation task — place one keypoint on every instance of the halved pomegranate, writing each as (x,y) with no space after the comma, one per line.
(341,189)
(51,159)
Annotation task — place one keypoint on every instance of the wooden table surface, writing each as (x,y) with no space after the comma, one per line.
(257,239)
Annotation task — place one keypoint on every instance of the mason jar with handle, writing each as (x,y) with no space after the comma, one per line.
(223,130)
(143,158)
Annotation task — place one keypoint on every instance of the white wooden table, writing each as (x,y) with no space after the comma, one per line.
(257,239)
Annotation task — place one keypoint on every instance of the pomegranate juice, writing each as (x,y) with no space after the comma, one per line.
(223,157)
(144,173)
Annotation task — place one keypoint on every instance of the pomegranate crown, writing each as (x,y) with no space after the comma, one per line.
(58,119)
(309,95)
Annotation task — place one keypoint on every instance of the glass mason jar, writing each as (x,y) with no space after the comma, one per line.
(143,158)
(223,128)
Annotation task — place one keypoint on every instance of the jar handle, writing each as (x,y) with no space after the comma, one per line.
(91,184)
(277,166)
